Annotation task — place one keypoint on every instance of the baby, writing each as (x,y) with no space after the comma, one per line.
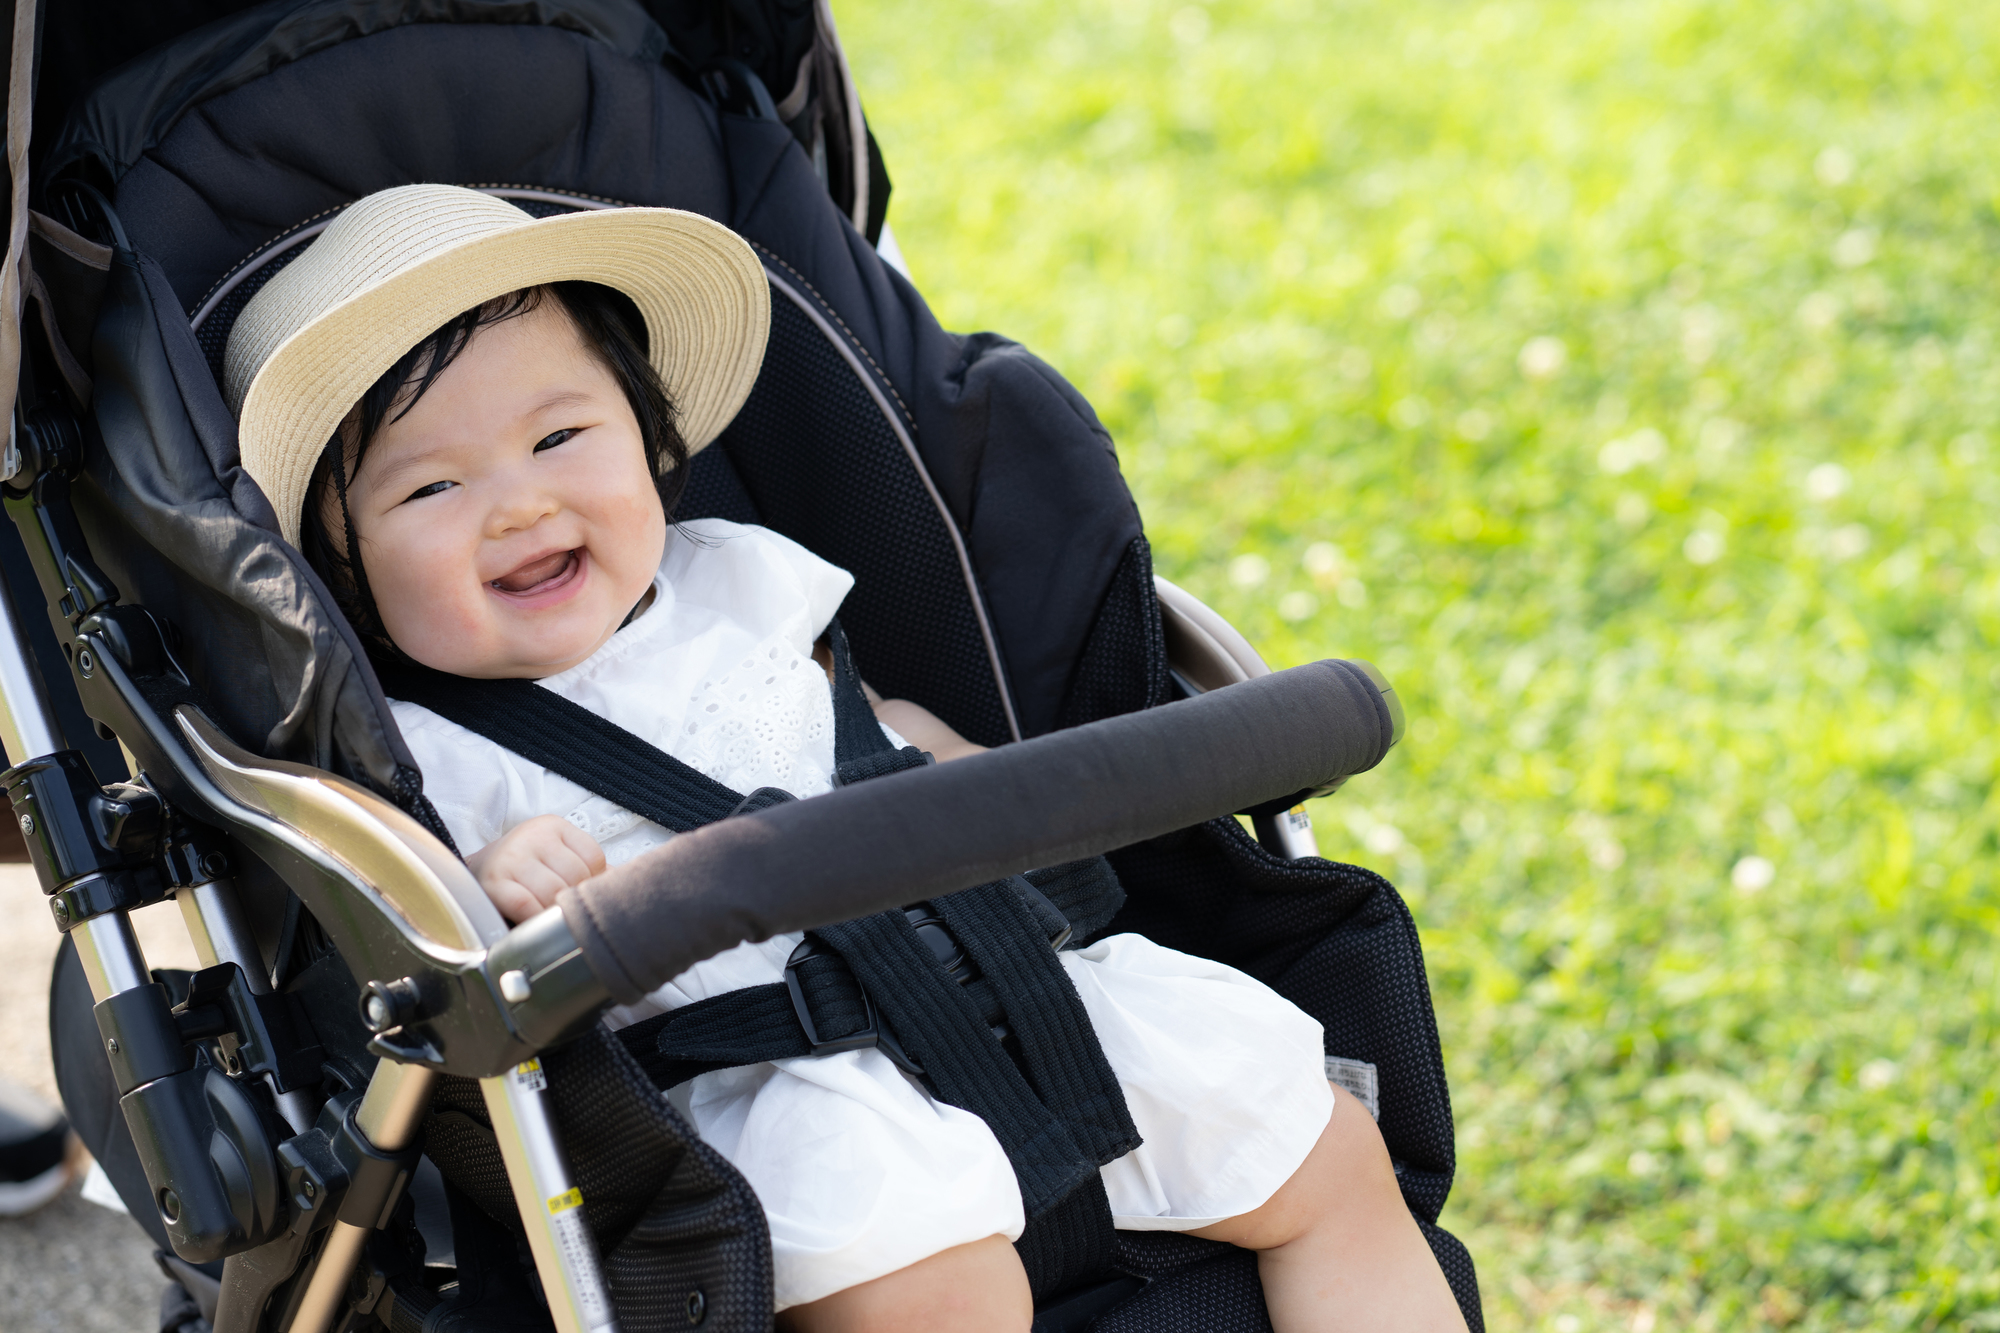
(488,491)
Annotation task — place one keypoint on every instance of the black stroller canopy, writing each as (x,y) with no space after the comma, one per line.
(184,153)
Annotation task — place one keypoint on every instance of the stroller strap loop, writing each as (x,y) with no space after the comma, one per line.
(964,992)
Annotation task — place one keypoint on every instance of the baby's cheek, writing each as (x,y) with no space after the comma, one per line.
(428,595)
(639,530)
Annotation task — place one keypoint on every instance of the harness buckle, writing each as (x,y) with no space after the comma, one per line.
(874,1032)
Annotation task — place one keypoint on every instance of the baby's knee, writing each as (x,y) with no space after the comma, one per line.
(1351,1156)
(1346,1178)
(979,1288)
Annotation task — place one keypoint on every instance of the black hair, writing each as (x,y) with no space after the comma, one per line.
(615,333)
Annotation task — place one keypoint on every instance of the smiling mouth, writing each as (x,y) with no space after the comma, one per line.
(549,572)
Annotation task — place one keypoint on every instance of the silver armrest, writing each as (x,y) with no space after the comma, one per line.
(1203,649)
(394,863)
(1205,652)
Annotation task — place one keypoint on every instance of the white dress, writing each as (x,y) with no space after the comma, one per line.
(859,1170)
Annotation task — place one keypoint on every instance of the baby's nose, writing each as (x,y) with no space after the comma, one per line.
(523,508)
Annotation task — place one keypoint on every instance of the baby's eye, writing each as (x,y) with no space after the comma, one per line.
(552,441)
(435,488)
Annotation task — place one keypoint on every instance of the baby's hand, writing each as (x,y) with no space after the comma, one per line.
(525,868)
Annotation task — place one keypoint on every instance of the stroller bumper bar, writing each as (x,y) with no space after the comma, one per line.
(448,988)
(480,1012)
(934,830)
(856,850)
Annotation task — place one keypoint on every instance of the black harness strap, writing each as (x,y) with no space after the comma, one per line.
(1004,936)
(964,1063)
(755,1024)
(860,750)
(1045,1013)
(1087,893)
(965,984)
(566,738)
(1071,1243)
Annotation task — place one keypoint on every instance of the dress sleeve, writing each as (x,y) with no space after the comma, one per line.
(474,784)
(762,579)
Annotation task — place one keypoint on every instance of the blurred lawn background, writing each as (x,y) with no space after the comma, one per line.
(1621,378)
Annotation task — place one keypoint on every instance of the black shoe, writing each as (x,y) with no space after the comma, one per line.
(34,1151)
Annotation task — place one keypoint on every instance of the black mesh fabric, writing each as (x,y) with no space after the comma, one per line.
(1124,662)
(1456,1260)
(458,1137)
(672,1217)
(213,335)
(1197,1286)
(819,463)
(715,491)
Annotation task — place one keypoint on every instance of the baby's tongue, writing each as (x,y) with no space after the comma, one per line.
(541,571)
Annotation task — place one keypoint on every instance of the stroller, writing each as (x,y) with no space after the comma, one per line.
(376,1106)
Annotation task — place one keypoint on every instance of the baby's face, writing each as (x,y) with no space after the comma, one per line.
(509,523)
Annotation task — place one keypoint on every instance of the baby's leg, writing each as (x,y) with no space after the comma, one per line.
(976,1288)
(1336,1246)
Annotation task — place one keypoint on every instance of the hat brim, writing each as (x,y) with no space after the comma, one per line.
(698,285)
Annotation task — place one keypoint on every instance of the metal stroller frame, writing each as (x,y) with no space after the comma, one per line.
(289,1193)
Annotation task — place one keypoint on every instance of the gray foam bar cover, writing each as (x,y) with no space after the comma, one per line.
(934,830)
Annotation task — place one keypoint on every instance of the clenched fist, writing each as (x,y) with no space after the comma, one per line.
(525,868)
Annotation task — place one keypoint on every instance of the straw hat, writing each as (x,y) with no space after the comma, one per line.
(400,263)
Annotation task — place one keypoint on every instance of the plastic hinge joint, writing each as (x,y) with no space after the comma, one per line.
(92,846)
(375,1178)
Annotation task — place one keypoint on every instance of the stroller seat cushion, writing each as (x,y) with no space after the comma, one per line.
(859,1169)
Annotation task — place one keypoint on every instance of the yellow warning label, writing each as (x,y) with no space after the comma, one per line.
(527,1067)
(568,1199)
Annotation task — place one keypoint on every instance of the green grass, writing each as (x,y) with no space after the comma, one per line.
(1621,378)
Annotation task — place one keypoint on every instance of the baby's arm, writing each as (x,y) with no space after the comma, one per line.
(920,727)
(525,868)
(913,722)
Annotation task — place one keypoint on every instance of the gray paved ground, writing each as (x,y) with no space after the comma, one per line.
(73,1266)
